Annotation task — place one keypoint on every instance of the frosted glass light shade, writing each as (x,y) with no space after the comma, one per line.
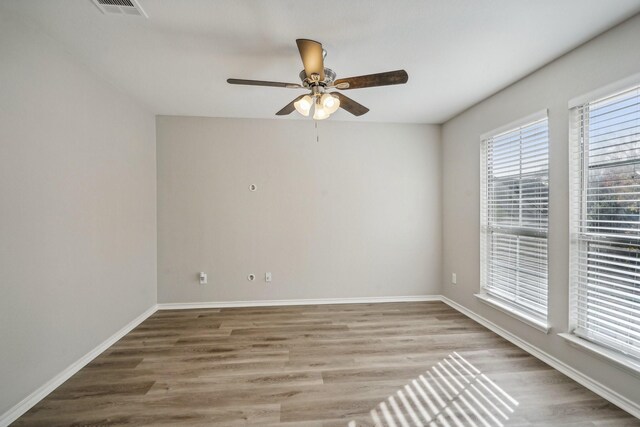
(320,113)
(330,103)
(303,105)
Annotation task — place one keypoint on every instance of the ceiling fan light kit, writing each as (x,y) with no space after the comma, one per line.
(321,82)
(324,104)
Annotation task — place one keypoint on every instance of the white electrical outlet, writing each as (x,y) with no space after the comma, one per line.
(454,278)
(267,276)
(203,278)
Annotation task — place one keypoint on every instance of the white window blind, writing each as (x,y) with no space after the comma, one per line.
(514,216)
(605,221)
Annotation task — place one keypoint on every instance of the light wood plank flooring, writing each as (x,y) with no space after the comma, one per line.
(398,364)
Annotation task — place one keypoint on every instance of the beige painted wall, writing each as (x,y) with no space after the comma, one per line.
(77,210)
(355,215)
(610,57)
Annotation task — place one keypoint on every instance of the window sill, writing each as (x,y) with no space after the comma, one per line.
(505,308)
(608,355)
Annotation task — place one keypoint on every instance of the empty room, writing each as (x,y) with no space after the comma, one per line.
(361,213)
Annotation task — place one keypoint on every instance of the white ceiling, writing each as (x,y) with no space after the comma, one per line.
(456,52)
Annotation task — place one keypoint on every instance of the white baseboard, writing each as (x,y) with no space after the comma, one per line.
(622,402)
(282,302)
(28,402)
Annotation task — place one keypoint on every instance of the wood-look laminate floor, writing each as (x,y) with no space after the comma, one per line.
(397,364)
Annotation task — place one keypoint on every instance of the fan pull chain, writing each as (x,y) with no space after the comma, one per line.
(317,136)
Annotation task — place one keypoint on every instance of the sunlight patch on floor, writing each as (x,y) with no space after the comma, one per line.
(453,393)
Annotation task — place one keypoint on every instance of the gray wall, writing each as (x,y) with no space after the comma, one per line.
(610,57)
(355,215)
(77,210)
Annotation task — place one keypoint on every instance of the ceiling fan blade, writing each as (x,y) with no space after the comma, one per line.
(397,77)
(350,105)
(288,109)
(264,83)
(312,57)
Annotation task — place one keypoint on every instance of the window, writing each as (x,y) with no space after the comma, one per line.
(605,221)
(514,216)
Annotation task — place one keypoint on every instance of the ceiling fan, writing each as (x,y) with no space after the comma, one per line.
(321,81)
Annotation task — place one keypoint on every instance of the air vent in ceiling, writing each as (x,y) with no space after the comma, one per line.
(120,7)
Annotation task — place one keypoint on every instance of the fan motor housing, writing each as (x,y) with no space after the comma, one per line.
(329,77)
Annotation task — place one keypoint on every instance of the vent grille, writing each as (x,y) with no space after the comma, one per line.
(120,7)
(116,2)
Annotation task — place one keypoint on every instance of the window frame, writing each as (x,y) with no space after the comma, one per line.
(533,319)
